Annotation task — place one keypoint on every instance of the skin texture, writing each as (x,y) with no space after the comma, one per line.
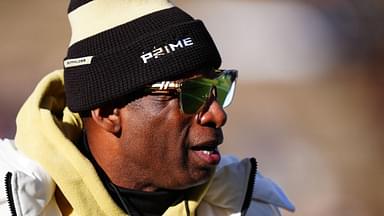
(146,144)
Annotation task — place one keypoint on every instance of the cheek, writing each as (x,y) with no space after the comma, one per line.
(170,139)
(160,133)
(157,140)
(169,131)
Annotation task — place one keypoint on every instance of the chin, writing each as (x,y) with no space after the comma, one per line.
(197,178)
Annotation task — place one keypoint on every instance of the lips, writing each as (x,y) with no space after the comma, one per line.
(207,153)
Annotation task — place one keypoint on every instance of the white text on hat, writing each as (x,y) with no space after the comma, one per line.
(161,51)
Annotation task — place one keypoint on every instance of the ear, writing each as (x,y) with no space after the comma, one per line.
(109,120)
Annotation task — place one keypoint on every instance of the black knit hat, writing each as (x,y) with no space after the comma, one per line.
(119,46)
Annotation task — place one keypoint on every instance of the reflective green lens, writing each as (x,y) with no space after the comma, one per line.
(223,86)
(195,92)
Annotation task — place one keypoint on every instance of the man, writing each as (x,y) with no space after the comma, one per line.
(132,124)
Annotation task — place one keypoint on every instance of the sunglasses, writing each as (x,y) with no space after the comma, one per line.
(195,93)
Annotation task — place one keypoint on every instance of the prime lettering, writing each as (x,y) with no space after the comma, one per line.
(164,50)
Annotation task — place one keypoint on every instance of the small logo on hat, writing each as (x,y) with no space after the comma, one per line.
(78,61)
(164,50)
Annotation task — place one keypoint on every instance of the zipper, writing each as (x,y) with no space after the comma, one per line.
(187,211)
(8,191)
(251,183)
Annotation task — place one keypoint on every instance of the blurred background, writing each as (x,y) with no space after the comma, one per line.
(310,93)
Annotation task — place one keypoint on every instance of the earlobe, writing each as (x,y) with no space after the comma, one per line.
(108,120)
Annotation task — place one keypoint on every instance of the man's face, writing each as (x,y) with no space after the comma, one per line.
(167,148)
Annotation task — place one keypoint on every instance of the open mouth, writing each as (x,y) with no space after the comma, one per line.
(205,149)
(208,153)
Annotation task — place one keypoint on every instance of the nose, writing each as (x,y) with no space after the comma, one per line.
(213,116)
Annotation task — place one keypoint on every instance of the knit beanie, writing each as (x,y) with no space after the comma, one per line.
(120,46)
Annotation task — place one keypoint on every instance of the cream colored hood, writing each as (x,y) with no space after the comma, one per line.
(46,130)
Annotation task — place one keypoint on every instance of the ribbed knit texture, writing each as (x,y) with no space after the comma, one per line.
(117,68)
